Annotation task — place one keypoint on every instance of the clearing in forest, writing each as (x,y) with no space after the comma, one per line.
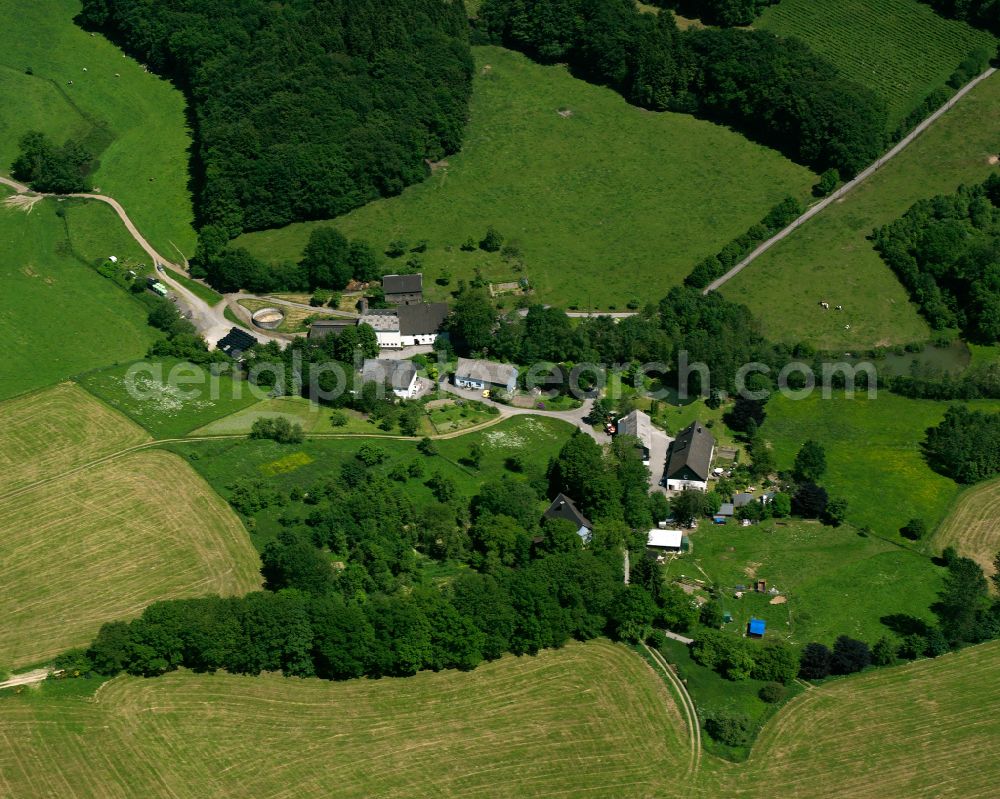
(604,206)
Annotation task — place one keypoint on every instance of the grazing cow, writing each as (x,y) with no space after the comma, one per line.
(839,308)
(825,306)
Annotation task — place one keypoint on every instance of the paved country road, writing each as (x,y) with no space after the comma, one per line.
(861,178)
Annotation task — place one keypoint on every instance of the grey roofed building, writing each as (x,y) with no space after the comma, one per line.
(742,499)
(562,507)
(691,455)
(399,375)
(474,373)
(403,289)
(726,509)
(638,424)
(422,318)
(322,328)
(381,319)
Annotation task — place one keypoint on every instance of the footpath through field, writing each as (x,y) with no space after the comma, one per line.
(847,187)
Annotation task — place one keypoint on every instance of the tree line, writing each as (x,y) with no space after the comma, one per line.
(48,167)
(303,110)
(946,252)
(345,595)
(775,91)
(965,445)
(981,13)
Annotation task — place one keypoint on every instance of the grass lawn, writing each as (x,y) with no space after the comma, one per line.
(900,49)
(103,543)
(447,416)
(872,452)
(606,205)
(314,418)
(222,463)
(156,394)
(60,428)
(589,719)
(59,317)
(830,259)
(835,581)
(209,295)
(134,122)
(713,694)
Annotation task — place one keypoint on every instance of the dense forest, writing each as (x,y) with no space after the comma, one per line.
(946,251)
(773,90)
(981,13)
(304,110)
(725,13)
(966,445)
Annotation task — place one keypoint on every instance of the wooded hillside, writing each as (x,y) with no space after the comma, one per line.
(304,110)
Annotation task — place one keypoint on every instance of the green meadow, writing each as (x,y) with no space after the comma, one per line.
(59,317)
(62,80)
(873,454)
(605,203)
(168,397)
(830,259)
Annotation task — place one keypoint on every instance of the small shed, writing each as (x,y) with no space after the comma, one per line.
(726,509)
(665,540)
(756,628)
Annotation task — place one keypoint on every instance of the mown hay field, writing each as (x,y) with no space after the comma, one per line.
(50,432)
(973,526)
(591,719)
(830,259)
(606,203)
(588,720)
(900,49)
(102,543)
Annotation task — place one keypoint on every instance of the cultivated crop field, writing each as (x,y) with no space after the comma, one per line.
(589,719)
(900,49)
(58,317)
(170,398)
(605,202)
(103,543)
(58,78)
(49,432)
(872,452)
(830,259)
(973,525)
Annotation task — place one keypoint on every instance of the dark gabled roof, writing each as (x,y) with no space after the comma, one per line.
(402,284)
(394,373)
(325,327)
(691,449)
(236,342)
(421,319)
(562,507)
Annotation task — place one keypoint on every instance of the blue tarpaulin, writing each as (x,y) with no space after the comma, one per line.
(757,626)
